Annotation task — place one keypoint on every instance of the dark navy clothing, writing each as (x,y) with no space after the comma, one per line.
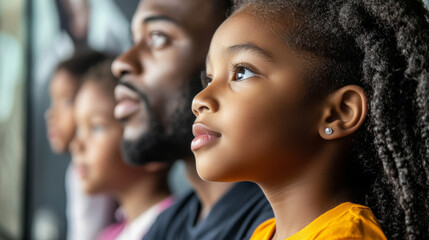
(234,217)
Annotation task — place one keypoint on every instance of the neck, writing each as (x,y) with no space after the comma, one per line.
(209,193)
(298,202)
(141,195)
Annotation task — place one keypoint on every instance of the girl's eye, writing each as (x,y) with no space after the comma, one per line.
(158,39)
(205,80)
(242,73)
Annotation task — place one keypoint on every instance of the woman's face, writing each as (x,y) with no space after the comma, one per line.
(96,148)
(251,123)
(59,116)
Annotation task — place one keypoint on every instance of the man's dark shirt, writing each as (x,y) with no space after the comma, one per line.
(234,217)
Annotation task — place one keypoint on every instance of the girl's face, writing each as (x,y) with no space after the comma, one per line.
(96,148)
(59,116)
(251,123)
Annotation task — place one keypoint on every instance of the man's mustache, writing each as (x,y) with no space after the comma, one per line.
(141,94)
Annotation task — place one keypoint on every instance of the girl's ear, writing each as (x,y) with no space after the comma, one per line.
(344,112)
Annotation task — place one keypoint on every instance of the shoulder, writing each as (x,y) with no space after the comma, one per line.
(111,231)
(355,222)
(180,206)
(250,207)
(173,217)
(265,230)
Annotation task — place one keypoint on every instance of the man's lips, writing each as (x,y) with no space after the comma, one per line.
(128,102)
(203,136)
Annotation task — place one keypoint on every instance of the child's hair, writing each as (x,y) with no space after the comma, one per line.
(382,46)
(101,73)
(79,64)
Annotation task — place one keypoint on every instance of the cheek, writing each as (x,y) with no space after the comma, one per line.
(164,86)
(256,134)
(103,162)
(66,124)
(106,149)
(255,138)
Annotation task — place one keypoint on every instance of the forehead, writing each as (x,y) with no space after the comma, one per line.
(64,81)
(91,93)
(244,28)
(187,14)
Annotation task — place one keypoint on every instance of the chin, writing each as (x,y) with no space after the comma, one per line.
(213,172)
(91,190)
(133,133)
(58,148)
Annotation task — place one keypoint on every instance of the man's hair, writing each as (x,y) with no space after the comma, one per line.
(381,46)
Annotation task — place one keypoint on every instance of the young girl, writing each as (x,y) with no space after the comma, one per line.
(86,216)
(324,104)
(62,89)
(143,191)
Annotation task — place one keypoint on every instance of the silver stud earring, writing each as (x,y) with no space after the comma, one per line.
(328,131)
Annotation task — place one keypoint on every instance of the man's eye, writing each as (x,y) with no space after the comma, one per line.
(158,39)
(242,73)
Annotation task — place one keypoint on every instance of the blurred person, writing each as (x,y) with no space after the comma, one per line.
(141,191)
(83,24)
(86,216)
(159,75)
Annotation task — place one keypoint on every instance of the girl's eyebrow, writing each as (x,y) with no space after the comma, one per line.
(252,48)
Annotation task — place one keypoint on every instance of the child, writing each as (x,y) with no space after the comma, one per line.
(324,104)
(86,216)
(62,89)
(142,191)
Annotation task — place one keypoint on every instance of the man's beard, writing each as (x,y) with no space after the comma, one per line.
(161,144)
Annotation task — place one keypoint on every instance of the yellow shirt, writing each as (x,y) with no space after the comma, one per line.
(346,221)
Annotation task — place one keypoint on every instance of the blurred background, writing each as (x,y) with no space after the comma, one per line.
(34,37)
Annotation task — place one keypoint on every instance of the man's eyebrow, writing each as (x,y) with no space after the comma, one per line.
(252,48)
(156,18)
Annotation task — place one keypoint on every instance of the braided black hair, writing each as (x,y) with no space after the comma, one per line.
(382,46)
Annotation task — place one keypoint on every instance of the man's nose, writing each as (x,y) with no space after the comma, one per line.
(128,63)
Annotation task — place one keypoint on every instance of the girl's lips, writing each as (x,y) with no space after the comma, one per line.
(203,136)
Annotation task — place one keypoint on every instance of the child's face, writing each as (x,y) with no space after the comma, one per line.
(96,148)
(254,126)
(59,116)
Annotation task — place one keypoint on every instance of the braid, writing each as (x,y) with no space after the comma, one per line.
(389,41)
(397,156)
(411,32)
